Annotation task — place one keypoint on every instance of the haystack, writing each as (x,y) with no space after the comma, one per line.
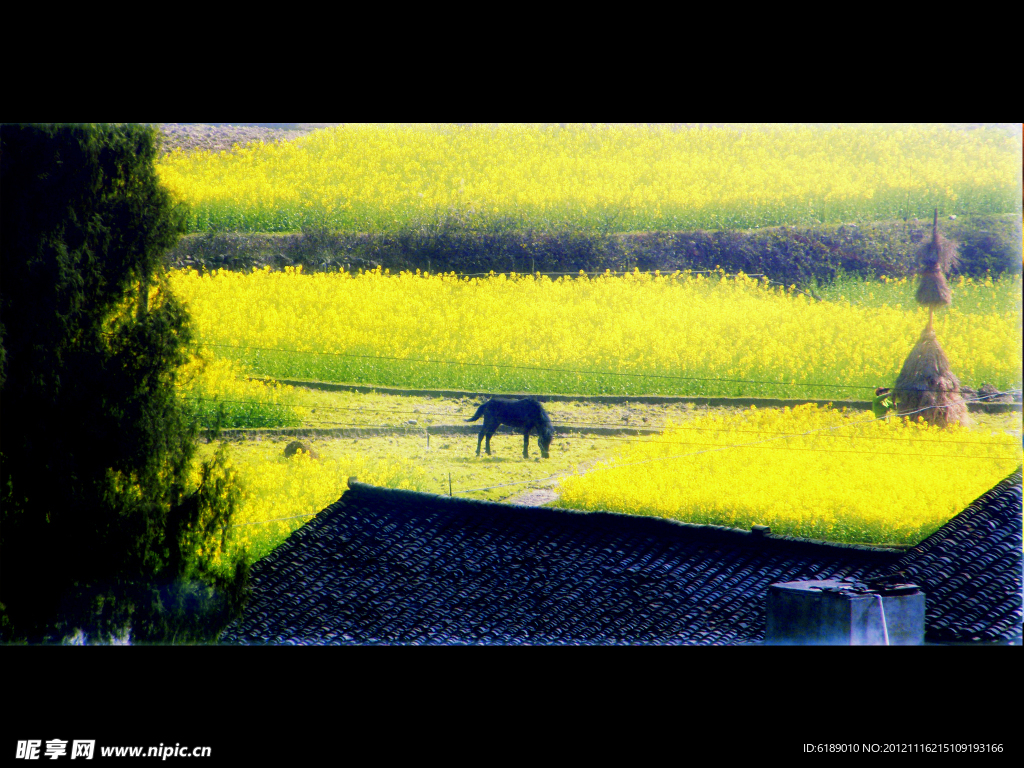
(933,290)
(926,387)
(936,258)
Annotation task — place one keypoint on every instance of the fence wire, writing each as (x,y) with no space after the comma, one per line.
(716,449)
(581,425)
(641,375)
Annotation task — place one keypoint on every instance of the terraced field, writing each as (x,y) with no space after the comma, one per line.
(695,335)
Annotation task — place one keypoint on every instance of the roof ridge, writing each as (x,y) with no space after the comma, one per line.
(650,524)
(964,516)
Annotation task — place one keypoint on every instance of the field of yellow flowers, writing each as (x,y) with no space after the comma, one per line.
(679,334)
(616,178)
(279,494)
(807,471)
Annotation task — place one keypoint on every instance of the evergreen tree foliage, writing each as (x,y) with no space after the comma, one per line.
(104,525)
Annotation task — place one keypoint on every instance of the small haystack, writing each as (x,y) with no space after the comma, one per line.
(933,290)
(926,387)
(936,258)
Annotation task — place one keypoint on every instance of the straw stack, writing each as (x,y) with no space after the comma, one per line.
(927,388)
(936,258)
(926,382)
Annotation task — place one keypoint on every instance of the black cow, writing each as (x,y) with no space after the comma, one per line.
(523,415)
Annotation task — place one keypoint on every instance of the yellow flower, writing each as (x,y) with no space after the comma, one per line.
(359,177)
(807,471)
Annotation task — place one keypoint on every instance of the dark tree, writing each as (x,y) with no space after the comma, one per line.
(104,524)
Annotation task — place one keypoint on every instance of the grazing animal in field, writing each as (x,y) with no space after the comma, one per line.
(523,415)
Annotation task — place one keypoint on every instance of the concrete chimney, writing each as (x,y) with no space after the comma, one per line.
(840,612)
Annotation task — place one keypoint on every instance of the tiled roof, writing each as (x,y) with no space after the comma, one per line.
(386,566)
(971,570)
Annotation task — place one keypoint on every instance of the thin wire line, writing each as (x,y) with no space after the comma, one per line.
(697,453)
(324,407)
(530,368)
(794,434)
(417,427)
(560,370)
(675,274)
(737,445)
(809,432)
(759,443)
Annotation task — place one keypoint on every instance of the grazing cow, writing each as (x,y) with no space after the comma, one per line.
(523,415)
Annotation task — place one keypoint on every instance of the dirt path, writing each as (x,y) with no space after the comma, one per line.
(535,497)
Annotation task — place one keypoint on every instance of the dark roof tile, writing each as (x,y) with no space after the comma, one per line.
(383,566)
(970,569)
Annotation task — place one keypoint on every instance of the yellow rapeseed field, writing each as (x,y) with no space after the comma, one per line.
(683,333)
(637,334)
(615,177)
(221,389)
(280,494)
(807,471)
